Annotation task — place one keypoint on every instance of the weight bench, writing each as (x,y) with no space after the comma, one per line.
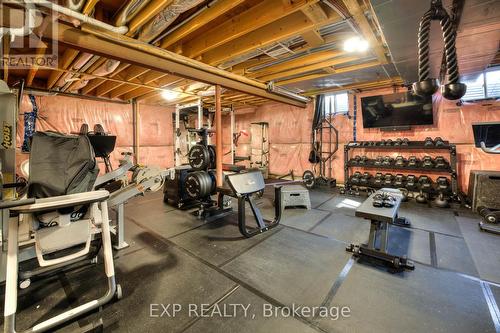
(242,187)
(379,218)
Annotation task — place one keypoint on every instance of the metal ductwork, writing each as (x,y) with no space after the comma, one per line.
(75,5)
(108,67)
(164,18)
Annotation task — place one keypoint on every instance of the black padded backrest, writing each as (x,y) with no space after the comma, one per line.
(61,164)
(247,182)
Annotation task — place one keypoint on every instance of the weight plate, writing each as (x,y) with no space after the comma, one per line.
(211,151)
(199,157)
(308,178)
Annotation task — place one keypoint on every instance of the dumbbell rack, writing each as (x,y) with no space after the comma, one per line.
(412,145)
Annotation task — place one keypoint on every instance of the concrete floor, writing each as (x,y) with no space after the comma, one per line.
(174,258)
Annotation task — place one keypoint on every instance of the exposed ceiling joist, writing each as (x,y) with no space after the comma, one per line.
(211,13)
(309,68)
(258,16)
(359,17)
(292,25)
(298,62)
(339,70)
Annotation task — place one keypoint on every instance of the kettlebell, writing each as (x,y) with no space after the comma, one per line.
(421,197)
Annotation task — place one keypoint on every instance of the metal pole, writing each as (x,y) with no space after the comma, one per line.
(232,135)
(218,135)
(135,120)
(200,115)
(177,147)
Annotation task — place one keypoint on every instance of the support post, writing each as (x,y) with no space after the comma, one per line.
(177,137)
(232,135)
(135,120)
(218,135)
(200,114)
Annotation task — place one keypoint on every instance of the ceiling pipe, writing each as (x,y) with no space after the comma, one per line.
(80,17)
(271,87)
(29,17)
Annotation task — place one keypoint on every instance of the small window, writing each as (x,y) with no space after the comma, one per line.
(482,86)
(337,104)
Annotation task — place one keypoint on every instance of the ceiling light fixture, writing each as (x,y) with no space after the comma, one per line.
(169,95)
(356,44)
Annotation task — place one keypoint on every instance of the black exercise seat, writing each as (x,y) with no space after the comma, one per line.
(242,186)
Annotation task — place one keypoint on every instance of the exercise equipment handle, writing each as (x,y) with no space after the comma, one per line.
(494,150)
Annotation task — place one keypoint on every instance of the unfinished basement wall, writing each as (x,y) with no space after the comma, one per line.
(290,134)
(66,115)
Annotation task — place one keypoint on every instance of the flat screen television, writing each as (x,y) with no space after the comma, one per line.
(396,110)
(489,133)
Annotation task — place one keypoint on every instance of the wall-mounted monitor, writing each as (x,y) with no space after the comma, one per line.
(396,110)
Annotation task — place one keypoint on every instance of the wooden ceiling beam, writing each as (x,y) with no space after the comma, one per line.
(339,70)
(95,83)
(125,49)
(359,17)
(146,14)
(313,38)
(66,60)
(242,68)
(264,13)
(129,75)
(211,13)
(309,68)
(148,79)
(298,62)
(165,82)
(292,25)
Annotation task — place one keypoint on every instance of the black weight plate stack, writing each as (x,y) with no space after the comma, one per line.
(199,157)
(199,184)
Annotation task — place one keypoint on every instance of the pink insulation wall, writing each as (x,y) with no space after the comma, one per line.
(290,129)
(66,114)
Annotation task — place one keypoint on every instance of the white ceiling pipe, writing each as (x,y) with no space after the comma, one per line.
(30,24)
(80,17)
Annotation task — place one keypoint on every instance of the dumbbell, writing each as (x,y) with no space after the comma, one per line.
(488,215)
(413,161)
(438,142)
(388,142)
(400,161)
(399,180)
(388,179)
(425,183)
(378,161)
(398,142)
(442,186)
(405,142)
(355,160)
(387,160)
(365,179)
(363,160)
(428,142)
(355,178)
(440,162)
(427,162)
(378,179)
(410,182)
(364,143)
